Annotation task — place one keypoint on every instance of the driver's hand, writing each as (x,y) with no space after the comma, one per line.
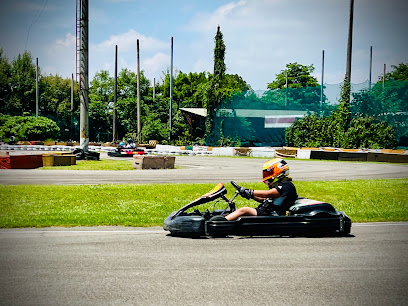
(246,193)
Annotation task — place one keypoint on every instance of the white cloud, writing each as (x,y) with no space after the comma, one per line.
(156,64)
(60,56)
(261,37)
(207,22)
(127,41)
(153,60)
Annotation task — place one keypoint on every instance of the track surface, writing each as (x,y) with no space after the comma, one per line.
(131,266)
(196,169)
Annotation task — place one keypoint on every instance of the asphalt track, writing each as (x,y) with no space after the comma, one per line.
(133,266)
(199,169)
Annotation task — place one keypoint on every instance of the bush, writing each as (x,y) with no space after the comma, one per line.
(28,128)
(365,132)
(339,130)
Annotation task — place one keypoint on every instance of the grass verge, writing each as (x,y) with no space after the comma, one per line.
(104,164)
(148,205)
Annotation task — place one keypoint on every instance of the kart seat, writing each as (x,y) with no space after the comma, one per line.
(307,206)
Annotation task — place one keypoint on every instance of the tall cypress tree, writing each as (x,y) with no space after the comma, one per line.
(215,94)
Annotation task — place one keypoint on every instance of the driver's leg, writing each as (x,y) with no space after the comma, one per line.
(241,211)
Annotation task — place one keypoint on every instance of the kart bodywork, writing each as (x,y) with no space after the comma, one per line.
(305,218)
(125,152)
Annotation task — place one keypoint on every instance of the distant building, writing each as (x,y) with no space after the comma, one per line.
(257,127)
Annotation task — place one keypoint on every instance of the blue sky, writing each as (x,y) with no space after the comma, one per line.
(261,36)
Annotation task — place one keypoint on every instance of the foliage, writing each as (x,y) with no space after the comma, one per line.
(340,130)
(18,84)
(398,73)
(216,84)
(366,132)
(299,76)
(310,131)
(303,90)
(222,88)
(388,103)
(205,90)
(5,83)
(28,128)
(55,102)
(155,129)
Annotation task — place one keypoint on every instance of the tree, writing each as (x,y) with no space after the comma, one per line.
(216,83)
(341,117)
(101,99)
(22,82)
(340,129)
(299,76)
(100,104)
(235,84)
(127,102)
(154,128)
(303,90)
(388,102)
(399,73)
(5,83)
(55,102)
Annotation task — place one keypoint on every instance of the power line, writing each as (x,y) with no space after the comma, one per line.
(33,22)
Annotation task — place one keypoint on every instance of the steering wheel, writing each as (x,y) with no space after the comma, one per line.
(235,185)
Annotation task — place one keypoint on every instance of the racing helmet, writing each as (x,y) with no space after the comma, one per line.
(274,170)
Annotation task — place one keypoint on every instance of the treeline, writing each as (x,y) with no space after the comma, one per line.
(374,118)
(18,96)
(385,102)
(190,90)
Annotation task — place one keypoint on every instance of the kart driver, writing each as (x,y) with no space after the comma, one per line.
(280,196)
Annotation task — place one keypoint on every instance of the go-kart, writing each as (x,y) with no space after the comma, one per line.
(305,218)
(126,152)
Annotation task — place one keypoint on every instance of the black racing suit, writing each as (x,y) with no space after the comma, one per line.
(280,205)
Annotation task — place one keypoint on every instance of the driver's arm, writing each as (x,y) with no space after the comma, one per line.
(260,195)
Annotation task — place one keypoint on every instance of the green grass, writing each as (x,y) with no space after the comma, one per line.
(148,205)
(125,164)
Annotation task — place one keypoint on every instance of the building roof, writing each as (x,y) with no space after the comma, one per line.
(249,113)
(202,112)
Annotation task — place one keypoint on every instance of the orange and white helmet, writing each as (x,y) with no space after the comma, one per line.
(274,170)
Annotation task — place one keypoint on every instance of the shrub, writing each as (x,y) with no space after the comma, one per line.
(339,130)
(28,127)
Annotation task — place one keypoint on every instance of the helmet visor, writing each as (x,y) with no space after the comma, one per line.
(267,175)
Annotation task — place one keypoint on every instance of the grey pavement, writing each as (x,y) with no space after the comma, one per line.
(144,266)
(133,266)
(205,169)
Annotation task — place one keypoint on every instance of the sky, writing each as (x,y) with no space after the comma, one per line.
(261,36)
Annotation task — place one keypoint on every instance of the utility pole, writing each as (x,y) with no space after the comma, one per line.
(385,66)
(83,77)
(37,93)
(371,66)
(154,88)
(72,107)
(139,128)
(115,95)
(286,85)
(350,41)
(321,88)
(171,87)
